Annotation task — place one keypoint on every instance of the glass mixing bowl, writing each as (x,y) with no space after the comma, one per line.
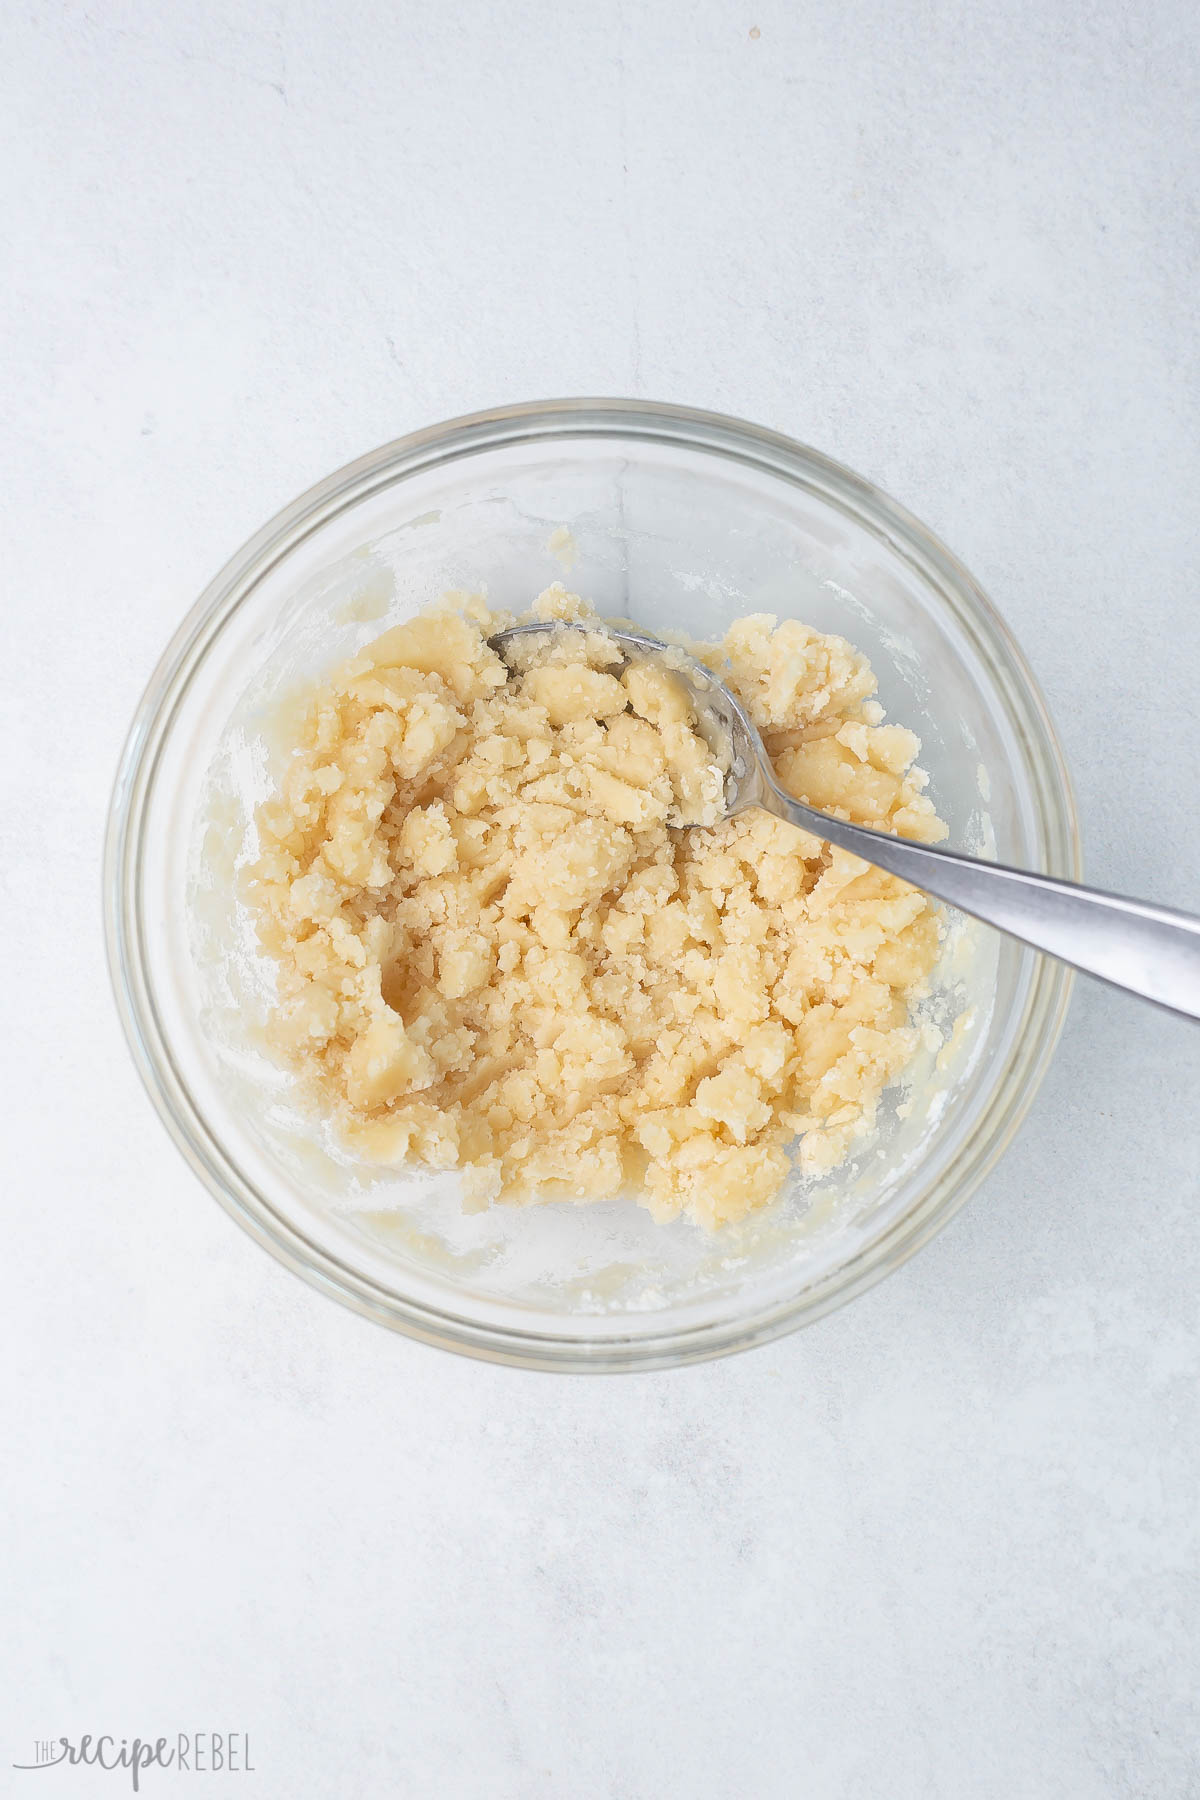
(682,521)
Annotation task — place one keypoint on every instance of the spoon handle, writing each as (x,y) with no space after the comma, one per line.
(1149,950)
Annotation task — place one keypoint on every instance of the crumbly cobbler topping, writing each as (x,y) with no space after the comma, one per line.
(498,951)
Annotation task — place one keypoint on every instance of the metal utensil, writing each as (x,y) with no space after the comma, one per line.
(1149,950)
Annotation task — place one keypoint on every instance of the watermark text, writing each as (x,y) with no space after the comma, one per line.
(197,1752)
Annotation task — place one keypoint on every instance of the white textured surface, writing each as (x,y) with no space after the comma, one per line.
(944,1544)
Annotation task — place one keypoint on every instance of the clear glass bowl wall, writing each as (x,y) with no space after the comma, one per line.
(682,521)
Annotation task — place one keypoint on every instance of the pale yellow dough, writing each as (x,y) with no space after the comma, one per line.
(498,952)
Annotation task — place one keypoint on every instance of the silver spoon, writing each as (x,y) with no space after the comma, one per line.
(1149,950)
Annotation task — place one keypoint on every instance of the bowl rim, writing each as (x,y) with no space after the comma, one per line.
(732,439)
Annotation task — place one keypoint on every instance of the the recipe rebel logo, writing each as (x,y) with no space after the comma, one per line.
(196,1753)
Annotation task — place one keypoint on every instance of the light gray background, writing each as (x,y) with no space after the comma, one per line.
(945,1543)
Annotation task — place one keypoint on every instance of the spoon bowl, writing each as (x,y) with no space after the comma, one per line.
(720,717)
